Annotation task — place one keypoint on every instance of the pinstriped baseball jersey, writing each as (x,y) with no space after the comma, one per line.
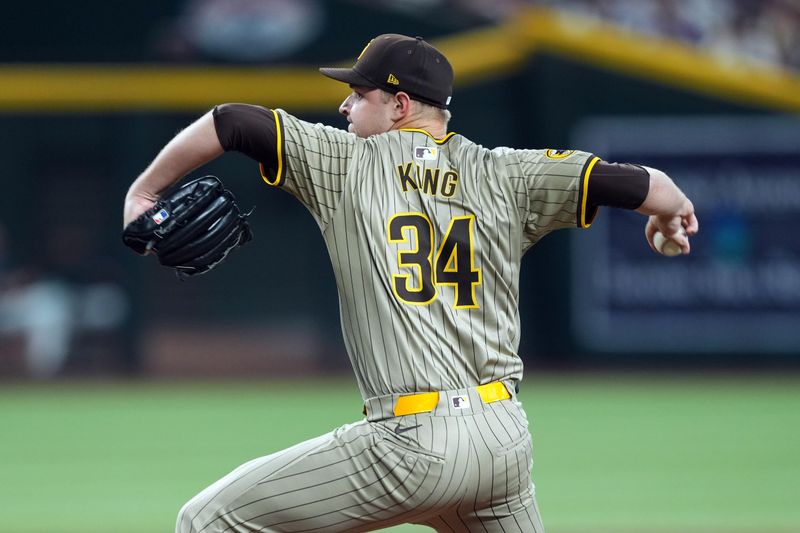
(426,237)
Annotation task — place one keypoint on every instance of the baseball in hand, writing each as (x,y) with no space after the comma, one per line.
(666,246)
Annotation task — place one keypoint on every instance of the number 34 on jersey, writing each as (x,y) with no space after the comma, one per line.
(454,263)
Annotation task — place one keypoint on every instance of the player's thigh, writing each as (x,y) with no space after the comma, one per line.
(349,485)
(207,507)
(523,520)
(504,451)
(517,515)
(510,504)
(502,497)
(347,480)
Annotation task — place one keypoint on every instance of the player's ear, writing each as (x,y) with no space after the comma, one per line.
(401,105)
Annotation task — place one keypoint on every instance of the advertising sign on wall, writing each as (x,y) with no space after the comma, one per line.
(739,289)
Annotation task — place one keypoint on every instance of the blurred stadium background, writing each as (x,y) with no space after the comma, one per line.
(663,392)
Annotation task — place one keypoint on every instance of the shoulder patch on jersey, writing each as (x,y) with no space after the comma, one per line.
(426,153)
(558,154)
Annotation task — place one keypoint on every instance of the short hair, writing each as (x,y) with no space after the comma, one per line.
(442,114)
(425,109)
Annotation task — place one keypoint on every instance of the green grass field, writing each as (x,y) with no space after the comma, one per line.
(612,453)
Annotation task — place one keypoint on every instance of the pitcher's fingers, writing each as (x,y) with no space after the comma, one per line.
(691,224)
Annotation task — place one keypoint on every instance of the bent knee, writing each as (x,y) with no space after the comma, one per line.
(208,515)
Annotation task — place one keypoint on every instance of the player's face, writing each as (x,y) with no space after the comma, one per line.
(368,112)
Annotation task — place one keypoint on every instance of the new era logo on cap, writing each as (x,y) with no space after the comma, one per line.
(393,80)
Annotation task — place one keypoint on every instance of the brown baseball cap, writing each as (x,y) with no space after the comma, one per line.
(394,63)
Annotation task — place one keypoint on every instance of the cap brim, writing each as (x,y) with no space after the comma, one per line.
(347,75)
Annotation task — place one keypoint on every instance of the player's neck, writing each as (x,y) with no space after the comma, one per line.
(436,128)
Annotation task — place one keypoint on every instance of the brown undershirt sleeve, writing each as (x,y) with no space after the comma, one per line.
(620,185)
(248,129)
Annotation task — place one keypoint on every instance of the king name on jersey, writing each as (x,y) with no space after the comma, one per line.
(433,181)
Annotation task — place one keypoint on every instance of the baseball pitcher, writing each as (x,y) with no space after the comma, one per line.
(425,230)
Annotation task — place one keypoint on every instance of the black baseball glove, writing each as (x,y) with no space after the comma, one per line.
(192,228)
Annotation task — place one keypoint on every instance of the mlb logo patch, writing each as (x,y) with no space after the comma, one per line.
(161,216)
(460,402)
(426,153)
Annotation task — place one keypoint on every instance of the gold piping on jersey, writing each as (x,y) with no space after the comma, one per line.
(585,190)
(437,141)
(278,175)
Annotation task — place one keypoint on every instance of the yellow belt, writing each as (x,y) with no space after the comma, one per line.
(426,402)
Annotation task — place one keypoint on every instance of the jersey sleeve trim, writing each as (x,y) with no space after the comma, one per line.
(585,219)
(437,141)
(277,180)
